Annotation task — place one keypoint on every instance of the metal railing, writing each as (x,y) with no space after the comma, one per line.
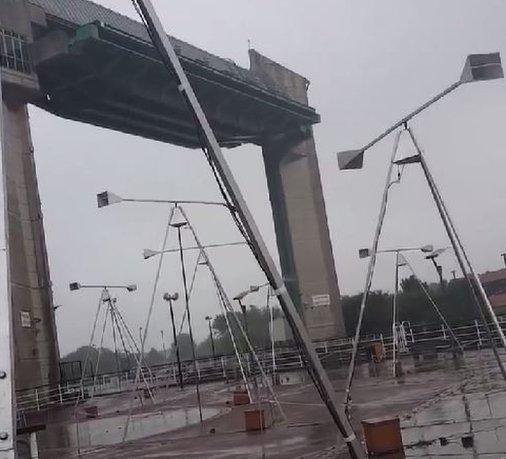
(14,52)
(333,353)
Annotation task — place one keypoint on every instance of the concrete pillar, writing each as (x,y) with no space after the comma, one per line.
(35,342)
(298,209)
(36,350)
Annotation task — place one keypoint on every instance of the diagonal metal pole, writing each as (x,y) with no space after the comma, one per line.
(116,353)
(222,298)
(370,271)
(187,308)
(228,306)
(243,216)
(134,350)
(434,305)
(395,340)
(416,112)
(476,278)
(103,294)
(460,253)
(226,313)
(140,360)
(100,347)
(176,344)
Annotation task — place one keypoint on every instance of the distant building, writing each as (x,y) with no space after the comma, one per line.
(494,283)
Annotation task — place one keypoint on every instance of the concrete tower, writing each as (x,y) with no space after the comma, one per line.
(35,342)
(298,207)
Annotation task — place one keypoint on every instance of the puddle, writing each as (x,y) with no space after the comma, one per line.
(293,377)
(458,426)
(109,431)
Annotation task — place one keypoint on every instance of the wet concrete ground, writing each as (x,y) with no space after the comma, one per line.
(466,421)
(436,401)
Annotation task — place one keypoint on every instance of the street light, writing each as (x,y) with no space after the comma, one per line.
(439,269)
(478,67)
(239,299)
(107,198)
(179,225)
(105,297)
(77,286)
(209,320)
(503,255)
(170,298)
(252,289)
(163,347)
(148,253)
(240,296)
(364,253)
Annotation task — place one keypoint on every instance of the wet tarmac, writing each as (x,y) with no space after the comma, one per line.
(464,425)
(447,409)
(109,431)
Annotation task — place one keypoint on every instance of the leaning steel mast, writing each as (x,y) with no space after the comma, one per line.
(246,222)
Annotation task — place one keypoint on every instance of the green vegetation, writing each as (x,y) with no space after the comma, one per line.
(257,324)
(454,302)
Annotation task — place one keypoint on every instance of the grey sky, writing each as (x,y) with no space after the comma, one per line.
(369,63)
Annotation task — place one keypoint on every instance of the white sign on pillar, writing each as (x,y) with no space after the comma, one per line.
(7,399)
(321,300)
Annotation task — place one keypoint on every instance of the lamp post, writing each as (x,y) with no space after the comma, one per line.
(252,289)
(170,298)
(239,299)
(148,253)
(77,286)
(399,261)
(105,297)
(179,225)
(478,67)
(164,349)
(439,269)
(209,320)
(107,198)
(503,255)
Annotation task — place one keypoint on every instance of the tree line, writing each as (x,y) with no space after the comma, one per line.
(453,299)
(256,322)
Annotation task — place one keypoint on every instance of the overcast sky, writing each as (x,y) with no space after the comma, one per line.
(369,63)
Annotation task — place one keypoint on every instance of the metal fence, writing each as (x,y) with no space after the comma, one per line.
(14,52)
(417,339)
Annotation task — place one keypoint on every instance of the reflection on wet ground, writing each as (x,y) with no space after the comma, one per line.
(464,425)
(109,431)
(465,421)
(447,410)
